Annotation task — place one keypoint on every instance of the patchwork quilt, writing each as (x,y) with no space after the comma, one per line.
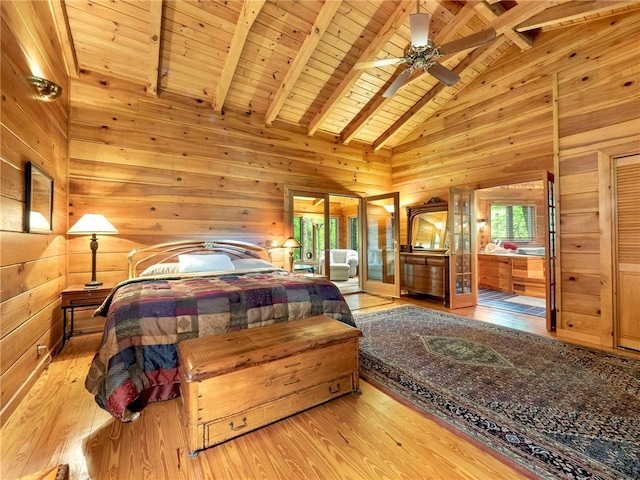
(137,362)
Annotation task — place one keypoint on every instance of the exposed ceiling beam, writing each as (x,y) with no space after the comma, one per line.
(318,29)
(394,22)
(472,65)
(155,31)
(378,102)
(64,35)
(570,12)
(490,13)
(520,13)
(248,14)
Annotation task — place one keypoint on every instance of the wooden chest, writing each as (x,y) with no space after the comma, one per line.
(236,382)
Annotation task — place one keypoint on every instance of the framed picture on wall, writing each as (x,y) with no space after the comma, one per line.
(38,215)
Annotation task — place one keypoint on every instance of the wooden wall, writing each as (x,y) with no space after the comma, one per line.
(32,266)
(502,129)
(598,119)
(166,168)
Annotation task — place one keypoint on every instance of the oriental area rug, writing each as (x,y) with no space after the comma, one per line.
(559,410)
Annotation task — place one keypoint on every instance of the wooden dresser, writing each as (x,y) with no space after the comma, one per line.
(236,382)
(426,273)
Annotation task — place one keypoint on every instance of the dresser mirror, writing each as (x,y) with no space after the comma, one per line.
(427,226)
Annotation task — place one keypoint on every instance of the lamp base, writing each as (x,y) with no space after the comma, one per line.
(93,284)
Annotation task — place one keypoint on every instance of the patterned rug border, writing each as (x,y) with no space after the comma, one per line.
(541,456)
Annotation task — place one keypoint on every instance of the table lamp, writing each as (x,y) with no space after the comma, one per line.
(91,224)
(291,243)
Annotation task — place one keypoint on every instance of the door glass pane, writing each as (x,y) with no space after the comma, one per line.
(380,241)
(551,256)
(308,229)
(462,243)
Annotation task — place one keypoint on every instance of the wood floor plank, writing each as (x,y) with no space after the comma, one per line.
(375,435)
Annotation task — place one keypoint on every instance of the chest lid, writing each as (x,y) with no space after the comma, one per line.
(205,357)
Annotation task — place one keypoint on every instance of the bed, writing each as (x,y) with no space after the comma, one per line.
(181,290)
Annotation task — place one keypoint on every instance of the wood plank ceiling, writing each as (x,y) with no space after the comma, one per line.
(291,62)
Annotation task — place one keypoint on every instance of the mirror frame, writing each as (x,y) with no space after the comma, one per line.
(36,179)
(433,205)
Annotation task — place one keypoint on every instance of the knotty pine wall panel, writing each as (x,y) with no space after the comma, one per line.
(168,168)
(598,105)
(32,266)
(500,130)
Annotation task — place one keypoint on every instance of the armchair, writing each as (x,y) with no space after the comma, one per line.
(341,258)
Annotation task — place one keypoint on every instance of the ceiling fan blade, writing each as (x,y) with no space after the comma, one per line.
(419,29)
(443,74)
(469,41)
(378,63)
(397,83)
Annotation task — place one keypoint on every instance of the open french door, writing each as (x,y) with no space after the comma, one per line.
(380,252)
(550,249)
(463,283)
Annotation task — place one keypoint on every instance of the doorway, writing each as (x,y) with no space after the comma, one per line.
(512,233)
(327,227)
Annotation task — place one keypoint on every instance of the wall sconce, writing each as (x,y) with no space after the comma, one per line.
(291,243)
(90,224)
(482,222)
(389,208)
(47,91)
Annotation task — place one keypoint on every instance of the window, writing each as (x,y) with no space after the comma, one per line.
(353,233)
(514,223)
(306,228)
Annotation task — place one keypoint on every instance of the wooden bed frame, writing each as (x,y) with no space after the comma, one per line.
(143,257)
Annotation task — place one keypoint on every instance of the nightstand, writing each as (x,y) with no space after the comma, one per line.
(77,296)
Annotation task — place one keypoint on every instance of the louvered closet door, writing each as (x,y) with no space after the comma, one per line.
(628,250)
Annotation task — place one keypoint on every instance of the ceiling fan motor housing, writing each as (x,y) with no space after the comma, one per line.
(421,57)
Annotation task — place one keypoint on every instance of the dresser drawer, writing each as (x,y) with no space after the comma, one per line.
(436,261)
(78,296)
(414,259)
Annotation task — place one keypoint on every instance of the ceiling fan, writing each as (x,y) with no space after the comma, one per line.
(421,54)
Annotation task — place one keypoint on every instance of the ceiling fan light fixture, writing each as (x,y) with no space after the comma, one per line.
(419,23)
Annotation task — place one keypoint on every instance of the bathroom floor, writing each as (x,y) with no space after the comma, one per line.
(513,303)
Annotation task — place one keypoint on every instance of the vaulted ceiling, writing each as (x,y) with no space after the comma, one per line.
(292,62)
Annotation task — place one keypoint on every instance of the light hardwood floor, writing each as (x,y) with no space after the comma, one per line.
(358,437)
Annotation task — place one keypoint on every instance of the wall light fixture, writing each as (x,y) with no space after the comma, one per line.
(47,91)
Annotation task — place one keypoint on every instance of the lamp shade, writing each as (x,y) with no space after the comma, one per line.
(291,243)
(92,223)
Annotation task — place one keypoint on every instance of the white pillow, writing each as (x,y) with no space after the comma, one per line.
(204,263)
(251,263)
(161,269)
